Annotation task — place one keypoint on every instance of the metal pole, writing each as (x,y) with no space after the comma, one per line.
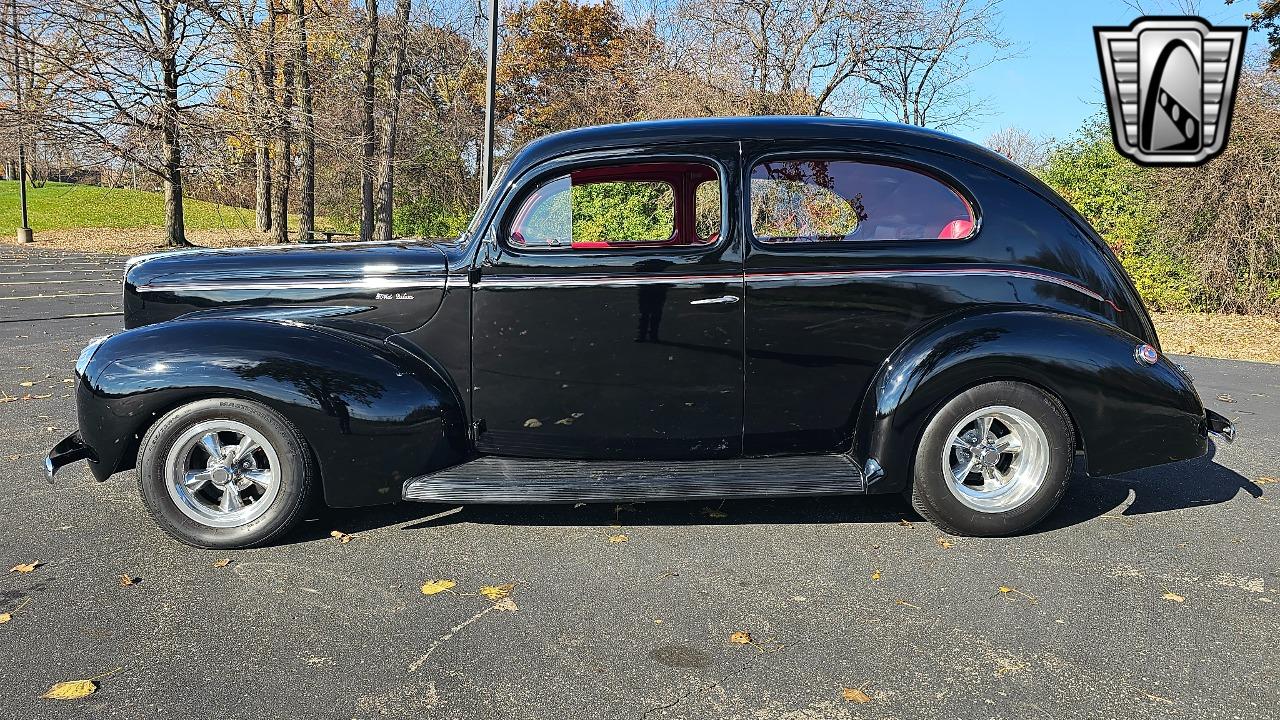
(486,171)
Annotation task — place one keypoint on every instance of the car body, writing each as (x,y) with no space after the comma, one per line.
(660,310)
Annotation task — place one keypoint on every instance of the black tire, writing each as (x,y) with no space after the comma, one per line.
(295,474)
(931,493)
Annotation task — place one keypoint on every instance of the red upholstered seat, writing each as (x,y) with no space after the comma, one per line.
(956,229)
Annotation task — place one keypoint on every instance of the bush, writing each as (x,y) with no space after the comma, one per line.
(1115,196)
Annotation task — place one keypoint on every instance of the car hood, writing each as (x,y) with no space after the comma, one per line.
(373,288)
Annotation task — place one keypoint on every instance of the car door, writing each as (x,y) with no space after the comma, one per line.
(850,248)
(607,311)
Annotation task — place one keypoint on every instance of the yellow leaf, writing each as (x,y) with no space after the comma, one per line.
(875,575)
(26,567)
(222,563)
(343,538)
(945,544)
(497,592)
(5,617)
(127,580)
(1174,597)
(1266,480)
(431,587)
(740,638)
(855,695)
(1004,589)
(905,522)
(71,690)
(617,538)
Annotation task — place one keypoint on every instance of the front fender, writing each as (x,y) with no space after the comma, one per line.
(1127,414)
(373,415)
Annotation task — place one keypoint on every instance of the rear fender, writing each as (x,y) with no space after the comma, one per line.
(1127,414)
(374,415)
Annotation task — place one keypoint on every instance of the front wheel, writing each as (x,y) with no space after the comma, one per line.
(994,460)
(224,473)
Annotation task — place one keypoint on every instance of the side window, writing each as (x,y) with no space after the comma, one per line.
(797,201)
(640,205)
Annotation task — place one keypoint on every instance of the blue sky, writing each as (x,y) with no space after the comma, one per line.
(1053,84)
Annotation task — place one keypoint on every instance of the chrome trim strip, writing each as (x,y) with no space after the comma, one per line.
(926,272)
(767,277)
(557,281)
(368,283)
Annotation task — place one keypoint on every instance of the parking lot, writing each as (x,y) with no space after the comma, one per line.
(1150,594)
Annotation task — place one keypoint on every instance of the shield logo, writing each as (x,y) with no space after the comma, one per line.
(1170,84)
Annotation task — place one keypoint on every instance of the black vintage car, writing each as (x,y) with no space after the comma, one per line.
(686,309)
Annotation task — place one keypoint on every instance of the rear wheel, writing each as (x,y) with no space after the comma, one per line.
(224,473)
(994,460)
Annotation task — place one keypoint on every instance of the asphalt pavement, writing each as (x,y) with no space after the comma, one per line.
(1149,594)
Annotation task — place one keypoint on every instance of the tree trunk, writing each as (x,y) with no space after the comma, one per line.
(369,141)
(265,90)
(307,171)
(174,230)
(283,154)
(386,165)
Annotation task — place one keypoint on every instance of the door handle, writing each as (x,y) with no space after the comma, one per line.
(722,300)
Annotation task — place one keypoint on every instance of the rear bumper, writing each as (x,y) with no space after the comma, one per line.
(70,449)
(1220,426)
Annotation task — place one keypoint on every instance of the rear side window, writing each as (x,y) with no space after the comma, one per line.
(625,206)
(804,201)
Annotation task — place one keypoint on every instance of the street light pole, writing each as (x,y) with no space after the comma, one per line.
(491,79)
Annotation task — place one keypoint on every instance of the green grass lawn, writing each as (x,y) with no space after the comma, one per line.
(61,205)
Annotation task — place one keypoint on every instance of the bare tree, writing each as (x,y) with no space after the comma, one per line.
(1020,146)
(368,131)
(926,82)
(386,161)
(133,76)
(306,119)
(282,145)
(795,55)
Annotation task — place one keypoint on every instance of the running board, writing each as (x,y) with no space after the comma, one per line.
(491,479)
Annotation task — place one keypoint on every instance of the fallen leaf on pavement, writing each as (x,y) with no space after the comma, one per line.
(1174,597)
(1226,398)
(905,522)
(618,538)
(343,538)
(855,695)
(497,592)
(740,638)
(875,575)
(506,605)
(222,563)
(27,383)
(1267,480)
(8,615)
(26,567)
(71,690)
(127,580)
(945,544)
(904,603)
(431,587)
(1031,599)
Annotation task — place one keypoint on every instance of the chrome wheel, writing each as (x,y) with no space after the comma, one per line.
(222,473)
(995,459)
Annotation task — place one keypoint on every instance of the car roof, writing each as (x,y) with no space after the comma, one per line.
(764,128)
